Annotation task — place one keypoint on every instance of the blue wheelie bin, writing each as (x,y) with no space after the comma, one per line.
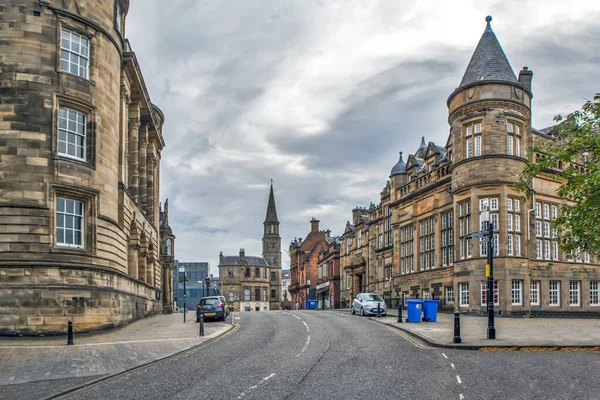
(312,304)
(430,308)
(414,310)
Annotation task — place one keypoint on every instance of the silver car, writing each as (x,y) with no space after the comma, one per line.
(366,304)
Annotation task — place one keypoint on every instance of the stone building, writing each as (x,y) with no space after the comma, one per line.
(304,259)
(328,275)
(253,283)
(80,148)
(285,283)
(434,199)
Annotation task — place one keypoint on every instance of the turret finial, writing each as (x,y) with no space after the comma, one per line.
(488,20)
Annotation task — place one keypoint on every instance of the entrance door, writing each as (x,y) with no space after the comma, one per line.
(360,283)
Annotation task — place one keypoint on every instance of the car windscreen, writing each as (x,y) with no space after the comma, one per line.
(372,297)
(210,301)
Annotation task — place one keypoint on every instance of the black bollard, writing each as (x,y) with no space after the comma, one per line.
(400,312)
(70,333)
(457,338)
(378,310)
(201,325)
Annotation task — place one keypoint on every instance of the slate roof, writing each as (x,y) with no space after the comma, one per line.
(250,261)
(399,168)
(286,274)
(420,153)
(488,63)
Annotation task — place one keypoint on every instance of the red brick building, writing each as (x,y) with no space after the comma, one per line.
(304,260)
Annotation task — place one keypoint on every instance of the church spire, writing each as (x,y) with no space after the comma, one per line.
(271,209)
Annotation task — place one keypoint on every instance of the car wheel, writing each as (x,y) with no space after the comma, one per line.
(353,312)
(362,311)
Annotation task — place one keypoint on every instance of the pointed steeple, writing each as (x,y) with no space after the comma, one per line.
(488,63)
(271,210)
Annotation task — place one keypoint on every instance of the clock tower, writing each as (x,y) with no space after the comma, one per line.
(271,239)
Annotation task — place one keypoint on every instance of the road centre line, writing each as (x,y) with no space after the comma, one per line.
(308,330)
(305,346)
(458,378)
(261,382)
(452,365)
(297,317)
(445,356)
(461,396)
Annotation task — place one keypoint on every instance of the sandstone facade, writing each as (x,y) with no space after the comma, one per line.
(80,145)
(413,243)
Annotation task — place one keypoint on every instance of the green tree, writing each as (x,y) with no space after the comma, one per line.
(577,150)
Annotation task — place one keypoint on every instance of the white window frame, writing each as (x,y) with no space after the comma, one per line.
(518,147)
(554,212)
(463,290)
(546,249)
(509,145)
(555,251)
(554,293)
(534,293)
(449,294)
(594,293)
(73,53)
(509,245)
(494,204)
(517,293)
(62,220)
(538,210)
(478,128)
(509,127)
(483,204)
(477,146)
(518,245)
(509,222)
(538,249)
(469,148)
(509,204)
(517,223)
(517,205)
(574,293)
(70,130)
(496,294)
(546,211)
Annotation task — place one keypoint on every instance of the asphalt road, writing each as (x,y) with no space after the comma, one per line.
(333,355)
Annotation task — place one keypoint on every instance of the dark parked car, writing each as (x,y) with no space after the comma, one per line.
(212,307)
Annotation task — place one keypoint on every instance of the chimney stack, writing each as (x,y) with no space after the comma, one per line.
(525,77)
(242,256)
(314,225)
(221,257)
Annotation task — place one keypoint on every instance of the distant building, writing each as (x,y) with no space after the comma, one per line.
(285,284)
(196,286)
(252,283)
(304,259)
(328,275)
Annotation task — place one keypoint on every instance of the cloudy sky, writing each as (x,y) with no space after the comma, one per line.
(321,95)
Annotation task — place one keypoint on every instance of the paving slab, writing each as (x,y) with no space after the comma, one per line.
(510,332)
(24,360)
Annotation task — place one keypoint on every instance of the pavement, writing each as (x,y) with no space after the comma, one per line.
(26,360)
(556,333)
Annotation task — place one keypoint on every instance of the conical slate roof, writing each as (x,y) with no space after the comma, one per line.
(420,153)
(488,63)
(271,210)
(399,168)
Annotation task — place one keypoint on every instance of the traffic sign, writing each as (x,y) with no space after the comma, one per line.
(477,234)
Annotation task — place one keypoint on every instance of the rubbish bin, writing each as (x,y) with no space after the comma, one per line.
(312,304)
(430,308)
(414,310)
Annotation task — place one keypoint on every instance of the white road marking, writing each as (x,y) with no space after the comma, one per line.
(461,396)
(261,382)
(238,317)
(286,313)
(452,365)
(297,317)
(458,378)
(445,356)
(308,330)
(305,346)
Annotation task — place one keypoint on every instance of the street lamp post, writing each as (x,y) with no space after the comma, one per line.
(489,271)
(182,269)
